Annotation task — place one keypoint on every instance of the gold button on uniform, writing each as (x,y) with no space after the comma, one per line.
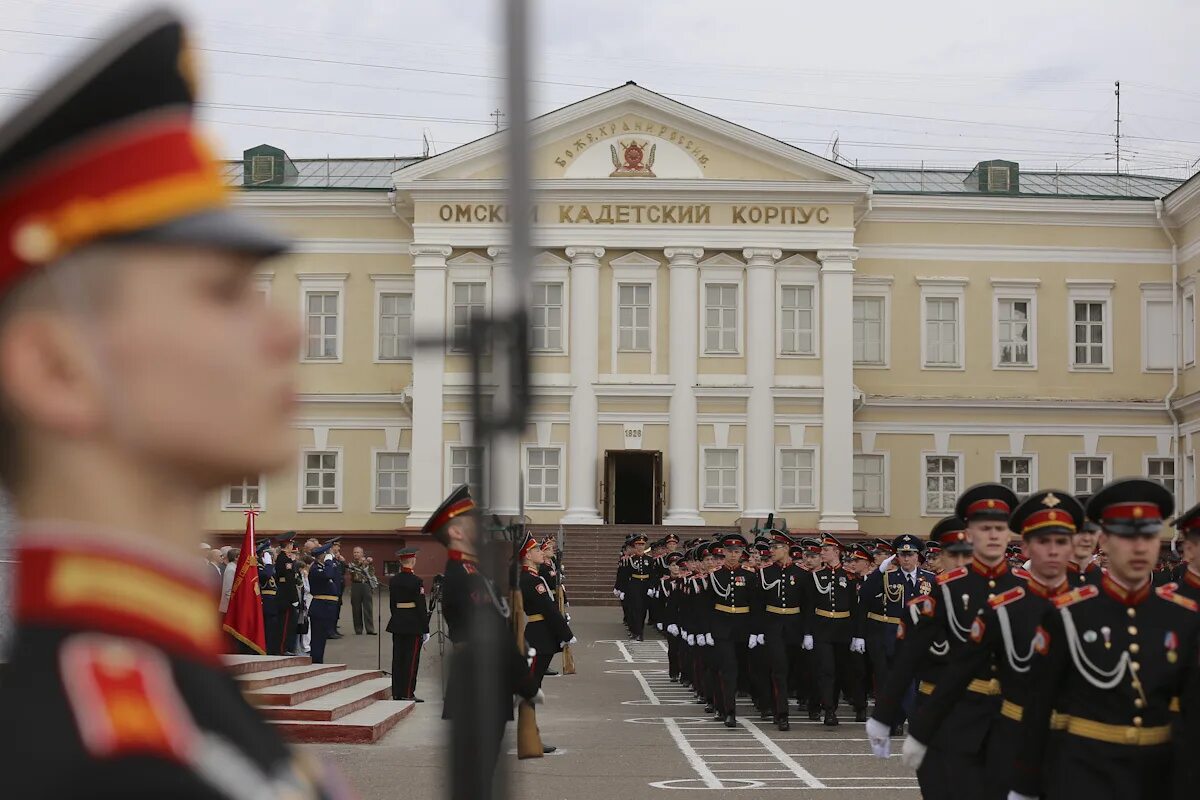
(1137,722)
(1131,612)
(1135,666)
(1132,630)
(991,584)
(1133,648)
(1138,702)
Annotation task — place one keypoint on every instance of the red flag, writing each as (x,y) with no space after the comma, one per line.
(244,616)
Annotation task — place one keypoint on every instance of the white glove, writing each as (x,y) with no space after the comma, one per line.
(753,641)
(880,737)
(858,646)
(328,557)
(621,595)
(266,559)
(762,639)
(673,629)
(1018,796)
(574,639)
(659,626)
(711,643)
(424,638)
(567,617)
(887,562)
(616,592)
(913,753)
(538,698)
(691,640)
(807,644)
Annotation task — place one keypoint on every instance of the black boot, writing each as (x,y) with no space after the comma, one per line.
(765,716)
(814,713)
(897,729)
(781,722)
(860,715)
(548,748)
(831,719)
(710,709)
(730,721)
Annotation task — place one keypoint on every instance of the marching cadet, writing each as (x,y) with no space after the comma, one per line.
(268,591)
(1114,659)
(288,585)
(754,667)
(829,627)
(935,631)
(885,593)
(638,567)
(546,630)
(698,633)
(783,628)
(325,582)
(732,594)
(932,558)
(136,361)
(621,583)
(1084,568)
(804,673)
(408,625)
(1000,639)
(1187,577)
(670,589)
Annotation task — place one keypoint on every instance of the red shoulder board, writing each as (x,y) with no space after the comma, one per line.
(1015,593)
(124,699)
(469,568)
(1075,595)
(952,575)
(1020,573)
(1168,592)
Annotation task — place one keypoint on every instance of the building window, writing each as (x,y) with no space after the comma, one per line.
(320,479)
(941,484)
(868,484)
(633,323)
(720,318)
(395,326)
(797,474)
(1089,340)
(543,476)
(466,466)
(1162,470)
(470,303)
(1013,335)
(391,480)
(720,478)
(246,494)
(941,332)
(1016,472)
(546,318)
(321,314)
(868,327)
(1089,474)
(1158,327)
(796,319)
(1189,329)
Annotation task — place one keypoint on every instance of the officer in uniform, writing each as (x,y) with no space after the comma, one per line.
(885,593)
(830,605)
(1000,638)
(136,361)
(288,585)
(938,629)
(637,572)
(268,591)
(1083,568)
(1114,659)
(621,582)
(782,586)
(731,594)
(546,631)
(408,625)
(325,582)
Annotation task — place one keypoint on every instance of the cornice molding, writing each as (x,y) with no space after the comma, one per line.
(1014,253)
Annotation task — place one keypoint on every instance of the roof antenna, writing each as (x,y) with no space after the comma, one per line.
(1117,92)
(497,115)
(424,144)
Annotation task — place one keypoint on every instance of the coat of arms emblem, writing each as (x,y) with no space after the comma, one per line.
(634,161)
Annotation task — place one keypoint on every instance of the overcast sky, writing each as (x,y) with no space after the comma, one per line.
(943,82)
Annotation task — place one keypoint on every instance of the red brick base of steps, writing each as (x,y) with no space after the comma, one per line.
(310,702)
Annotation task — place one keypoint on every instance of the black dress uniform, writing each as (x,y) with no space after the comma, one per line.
(269,592)
(546,631)
(637,583)
(288,585)
(1001,644)
(939,631)
(731,594)
(831,602)
(408,625)
(783,626)
(1114,662)
(325,582)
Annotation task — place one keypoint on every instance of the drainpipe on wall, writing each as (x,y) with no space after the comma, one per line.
(860,398)
(1176,325)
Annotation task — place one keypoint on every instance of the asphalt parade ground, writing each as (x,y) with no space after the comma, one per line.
(623,732)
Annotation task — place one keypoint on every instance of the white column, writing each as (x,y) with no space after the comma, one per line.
(505,458)
(837,371)
(685,345)
(759,453)
(582,450)
(429,372)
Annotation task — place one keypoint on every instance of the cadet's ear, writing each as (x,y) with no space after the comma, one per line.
(48,377)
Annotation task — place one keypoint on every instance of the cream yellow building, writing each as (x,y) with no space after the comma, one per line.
(726,326)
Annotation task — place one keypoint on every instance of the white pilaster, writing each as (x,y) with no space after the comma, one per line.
(837,368)
(505,464)
(760,374)
(429,372)
(582,451)
(682,467)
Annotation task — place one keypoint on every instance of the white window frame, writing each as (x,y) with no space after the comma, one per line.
(887,505)
(324,282)
(1033,469)
(1106,457)
(722,269)
(634,267)
(1090,291)
(466,268)
(958,481)
(738,321)
(338,481)
(1159,293)
(1175,482)
(263,281)
(1019,289)
(375,453)
(448,473)
(876,287)
(562,474)
(392,284)
(562,318)
(1189,480)
(944,289)
(1188,327)
(262,496)
(816,479)
(741,473)
(549,268)
(798,271)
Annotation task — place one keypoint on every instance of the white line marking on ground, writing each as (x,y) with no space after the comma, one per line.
(646,688)
(693,758)
(797,770)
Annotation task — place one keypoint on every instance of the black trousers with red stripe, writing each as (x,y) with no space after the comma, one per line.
(406,659)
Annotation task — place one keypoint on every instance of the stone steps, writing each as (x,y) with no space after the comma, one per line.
(365,726)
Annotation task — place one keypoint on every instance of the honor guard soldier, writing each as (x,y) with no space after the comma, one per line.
(1115,660)
(546,630)
(940,630)
(408,625)
(288,585)
(885,593)
(1084,568)
(325,583)
(268,591)
(137,360)
(732,593)
(783,628)
(1001,638)
(1187,577)
(670,589)
(831,602)
(638,567)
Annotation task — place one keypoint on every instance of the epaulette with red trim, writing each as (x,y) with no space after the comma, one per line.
(922,606)
(1012,595)
(1076,595)
(952,575)
(1021,573)
(469,568)
(1168,592)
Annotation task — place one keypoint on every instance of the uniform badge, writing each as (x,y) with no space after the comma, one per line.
(1090,636)
(1171,643)
(925,587)
(1041,641)
(541,588)
(739,581)
(977,629)
(842,582)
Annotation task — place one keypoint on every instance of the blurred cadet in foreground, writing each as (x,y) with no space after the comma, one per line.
(139,370)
